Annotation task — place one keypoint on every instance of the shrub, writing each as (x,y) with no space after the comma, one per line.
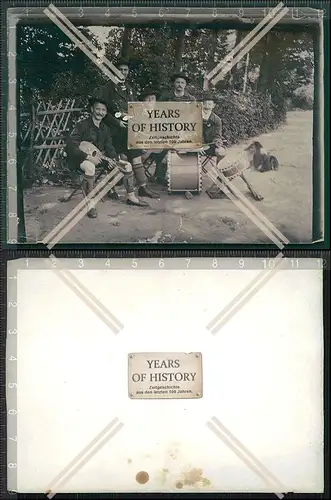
(243,116)
(303,97)
(247,115)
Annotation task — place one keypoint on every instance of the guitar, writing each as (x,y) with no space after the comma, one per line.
(91,150)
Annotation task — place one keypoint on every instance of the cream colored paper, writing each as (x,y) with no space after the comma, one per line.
(262,379)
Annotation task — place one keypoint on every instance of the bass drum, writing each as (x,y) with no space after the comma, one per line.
(184,172)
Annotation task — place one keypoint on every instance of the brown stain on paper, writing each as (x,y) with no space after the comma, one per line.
(193,477)
(163,476)
(142,477)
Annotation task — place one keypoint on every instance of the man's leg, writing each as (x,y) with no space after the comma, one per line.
(160,159)
(128,183)
(220,154)
(88,183)
(161,168)
(139,173)
(214,191)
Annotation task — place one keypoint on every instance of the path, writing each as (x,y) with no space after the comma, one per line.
(287,203)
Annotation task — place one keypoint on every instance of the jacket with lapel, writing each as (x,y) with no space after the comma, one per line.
(117,101)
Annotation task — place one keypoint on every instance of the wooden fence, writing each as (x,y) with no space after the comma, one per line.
(43,130)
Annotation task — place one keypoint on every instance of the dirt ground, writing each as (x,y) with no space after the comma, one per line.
(174,219)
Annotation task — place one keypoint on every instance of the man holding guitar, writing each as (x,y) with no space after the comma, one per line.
(86,145)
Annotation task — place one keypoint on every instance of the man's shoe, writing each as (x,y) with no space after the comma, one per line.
(138,203)
(144,191)
(92,213)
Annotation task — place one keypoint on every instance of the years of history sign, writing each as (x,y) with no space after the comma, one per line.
(165,375)
(162,125)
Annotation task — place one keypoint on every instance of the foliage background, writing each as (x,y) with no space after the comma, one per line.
(253,97)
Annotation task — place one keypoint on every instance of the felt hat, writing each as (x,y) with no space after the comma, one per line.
(207,95)
(147,92)
(94,99)
(123,61)
(180,74)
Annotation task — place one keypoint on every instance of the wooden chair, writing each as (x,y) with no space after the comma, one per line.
(77,179)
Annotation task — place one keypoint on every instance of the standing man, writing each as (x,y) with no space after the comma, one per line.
(179,91)
(117,98)
(93,130)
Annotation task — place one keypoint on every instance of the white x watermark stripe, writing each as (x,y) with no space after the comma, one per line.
(250,45)
(229,61)
(84,294)
(253,209)
(246,456)
(88,45)
(88,49)
(81,209)
(233,193)
(245,295)
(84,456)
(248,208)
(228,58)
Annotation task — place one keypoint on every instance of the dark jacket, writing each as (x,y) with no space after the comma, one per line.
(117,101)
(170,96)
(86,130)
(212,131)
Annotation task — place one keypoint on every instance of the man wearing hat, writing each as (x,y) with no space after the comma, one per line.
(95,131)
(117,97)
(149,95)
(179,91)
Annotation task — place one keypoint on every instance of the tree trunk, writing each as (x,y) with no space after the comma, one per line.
(179,49)
(246,73)
(234,73)
(125,51)
(211,57)
(262,84)
(212,49)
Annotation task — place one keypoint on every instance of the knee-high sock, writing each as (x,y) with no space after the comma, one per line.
(88,184)
(128,182)
(139,173)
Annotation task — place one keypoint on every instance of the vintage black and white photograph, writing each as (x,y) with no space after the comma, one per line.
(230,154)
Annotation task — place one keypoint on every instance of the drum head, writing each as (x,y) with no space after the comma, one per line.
(234,170)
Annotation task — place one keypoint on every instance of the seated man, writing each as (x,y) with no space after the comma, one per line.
(93,130)
(149,96)
(212,136)
(117,98)
(212,128)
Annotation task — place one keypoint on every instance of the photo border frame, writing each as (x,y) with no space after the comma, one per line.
(9,273)
(243,11)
